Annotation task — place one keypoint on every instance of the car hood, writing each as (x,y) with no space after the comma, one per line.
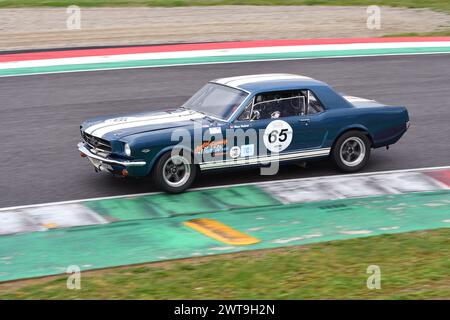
(117,127)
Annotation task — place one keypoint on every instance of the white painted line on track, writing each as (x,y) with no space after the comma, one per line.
(229,185)
(219,53)
(225,62)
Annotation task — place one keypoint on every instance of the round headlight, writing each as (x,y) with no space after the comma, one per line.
(127,149)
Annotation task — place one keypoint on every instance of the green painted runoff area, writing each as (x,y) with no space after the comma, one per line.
(217,59)
(167,205)
(137,239)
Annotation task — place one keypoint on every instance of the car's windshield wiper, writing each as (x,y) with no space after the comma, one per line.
(202,112)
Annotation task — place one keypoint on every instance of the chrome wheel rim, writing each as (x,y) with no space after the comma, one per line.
(353,151)
(176,171)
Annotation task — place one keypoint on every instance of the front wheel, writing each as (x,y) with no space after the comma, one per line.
(174,172)
(351,151)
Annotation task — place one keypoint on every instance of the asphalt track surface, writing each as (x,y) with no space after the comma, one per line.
(40,117)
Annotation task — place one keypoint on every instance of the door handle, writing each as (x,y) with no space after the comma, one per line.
(305,121)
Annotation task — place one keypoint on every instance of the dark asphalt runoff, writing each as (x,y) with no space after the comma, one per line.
(40,117)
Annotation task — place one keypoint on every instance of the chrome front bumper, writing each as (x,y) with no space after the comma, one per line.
(85,151)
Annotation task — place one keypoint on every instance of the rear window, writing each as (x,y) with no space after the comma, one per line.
(313,104)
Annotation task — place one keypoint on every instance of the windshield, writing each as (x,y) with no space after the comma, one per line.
(216,100)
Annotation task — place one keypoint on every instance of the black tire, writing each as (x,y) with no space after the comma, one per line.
(351,151)
(161,172)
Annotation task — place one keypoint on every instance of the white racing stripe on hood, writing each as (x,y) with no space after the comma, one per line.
(127,119)
(111,125)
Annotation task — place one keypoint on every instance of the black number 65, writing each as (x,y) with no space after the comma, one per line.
(282,137)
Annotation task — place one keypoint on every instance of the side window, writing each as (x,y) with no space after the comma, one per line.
(280,104)
(314,105)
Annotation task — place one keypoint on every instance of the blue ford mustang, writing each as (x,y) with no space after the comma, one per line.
(255,120)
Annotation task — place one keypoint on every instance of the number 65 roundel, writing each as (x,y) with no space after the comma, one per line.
(277,136)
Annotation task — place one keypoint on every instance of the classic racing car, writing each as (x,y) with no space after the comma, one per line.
(253,120)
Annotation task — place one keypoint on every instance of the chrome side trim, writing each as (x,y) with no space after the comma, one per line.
(264,159)
(82,148)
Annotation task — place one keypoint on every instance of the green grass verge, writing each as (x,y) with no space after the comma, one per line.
(413,266)
(443,5)
(443,33)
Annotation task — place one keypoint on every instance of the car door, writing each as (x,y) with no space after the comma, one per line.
(274,117)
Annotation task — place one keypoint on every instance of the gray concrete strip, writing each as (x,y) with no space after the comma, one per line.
(349,186)
(47,28)
(43,218)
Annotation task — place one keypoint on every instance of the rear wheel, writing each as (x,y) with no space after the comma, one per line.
(174,172)
(351,151)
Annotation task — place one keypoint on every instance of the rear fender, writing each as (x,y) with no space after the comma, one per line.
(358,127)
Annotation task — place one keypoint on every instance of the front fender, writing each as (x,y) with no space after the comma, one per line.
(162,151)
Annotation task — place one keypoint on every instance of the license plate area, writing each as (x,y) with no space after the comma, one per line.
(99,165)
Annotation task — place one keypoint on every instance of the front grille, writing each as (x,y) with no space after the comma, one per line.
(96,143)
